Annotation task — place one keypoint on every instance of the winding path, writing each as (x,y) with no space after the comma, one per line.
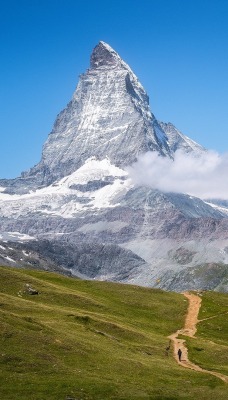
(190,330)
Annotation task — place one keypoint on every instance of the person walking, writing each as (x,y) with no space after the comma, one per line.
(179,354)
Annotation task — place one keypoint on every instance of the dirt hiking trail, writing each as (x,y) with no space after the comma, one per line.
(190,330)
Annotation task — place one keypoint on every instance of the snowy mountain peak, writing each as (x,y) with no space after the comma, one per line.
(104,55)
(108,116)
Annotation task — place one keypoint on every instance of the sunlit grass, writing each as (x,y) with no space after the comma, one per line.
(91,340)
(210,348)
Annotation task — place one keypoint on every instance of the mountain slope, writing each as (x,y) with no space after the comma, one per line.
(177,141)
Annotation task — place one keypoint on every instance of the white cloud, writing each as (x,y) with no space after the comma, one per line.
(204,176)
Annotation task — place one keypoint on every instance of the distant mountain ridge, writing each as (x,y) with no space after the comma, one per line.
(81,195)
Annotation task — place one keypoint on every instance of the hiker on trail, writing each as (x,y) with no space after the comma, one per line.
(179,354)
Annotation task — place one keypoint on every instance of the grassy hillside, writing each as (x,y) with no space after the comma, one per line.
(210,349)
(96,340)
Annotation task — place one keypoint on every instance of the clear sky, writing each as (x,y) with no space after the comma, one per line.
(177,48)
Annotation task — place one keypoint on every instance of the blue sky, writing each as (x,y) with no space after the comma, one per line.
(177,48)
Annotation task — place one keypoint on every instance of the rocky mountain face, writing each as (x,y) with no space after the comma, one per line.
(108,116)
(77,211)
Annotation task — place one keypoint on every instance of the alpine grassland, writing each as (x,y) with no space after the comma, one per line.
(66,338)
(210,347)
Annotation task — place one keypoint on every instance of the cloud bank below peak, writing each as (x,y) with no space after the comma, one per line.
(204,176)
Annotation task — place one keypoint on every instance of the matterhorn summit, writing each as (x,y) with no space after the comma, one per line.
(108,116)
(77,211)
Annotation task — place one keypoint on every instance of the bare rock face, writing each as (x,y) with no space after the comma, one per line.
(104,56)
(78,212)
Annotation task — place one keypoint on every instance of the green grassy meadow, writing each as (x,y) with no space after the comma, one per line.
(81,339)
(210,348)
